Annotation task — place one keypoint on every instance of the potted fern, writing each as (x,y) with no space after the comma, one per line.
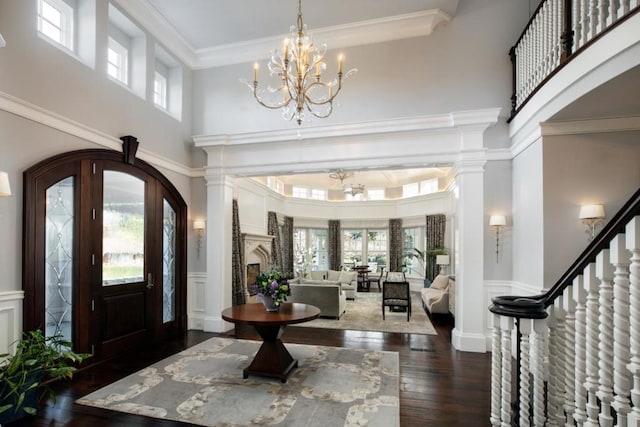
(24,376)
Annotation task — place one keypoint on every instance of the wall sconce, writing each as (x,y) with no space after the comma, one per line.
(591,216)
(199,227)
(442,261)
(497,221)
(5,188)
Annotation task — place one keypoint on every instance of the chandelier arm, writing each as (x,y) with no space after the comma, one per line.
(264,104)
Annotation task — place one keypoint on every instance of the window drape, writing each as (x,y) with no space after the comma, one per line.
(334,239)
(276,251)
(434,237)
(237,260)
(287,246)
(396,244)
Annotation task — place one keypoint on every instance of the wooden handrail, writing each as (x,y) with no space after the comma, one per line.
(533,307)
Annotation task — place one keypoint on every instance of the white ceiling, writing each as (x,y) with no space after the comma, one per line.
(209,23)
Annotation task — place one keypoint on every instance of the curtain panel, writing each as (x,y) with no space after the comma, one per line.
(335,238)
(273,230)
(237,260)
(434,234)
(396,244)
(287,246)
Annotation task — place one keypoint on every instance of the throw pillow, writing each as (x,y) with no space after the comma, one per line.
(318,275)
(347,277)
(440,282)
(334,275)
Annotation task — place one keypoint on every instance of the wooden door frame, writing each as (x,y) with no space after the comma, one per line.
(78,164)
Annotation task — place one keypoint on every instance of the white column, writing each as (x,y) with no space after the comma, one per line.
(468,334)
(217,290)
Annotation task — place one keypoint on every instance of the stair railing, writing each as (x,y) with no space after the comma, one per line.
(577,346)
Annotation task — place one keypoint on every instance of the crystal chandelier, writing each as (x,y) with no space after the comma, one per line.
(353,189)
(299,71)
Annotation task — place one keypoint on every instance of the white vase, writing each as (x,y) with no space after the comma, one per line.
(269,303)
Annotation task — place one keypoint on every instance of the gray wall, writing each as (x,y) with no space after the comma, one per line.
(497,201)
(580,170)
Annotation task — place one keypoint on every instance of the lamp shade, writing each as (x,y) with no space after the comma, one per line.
(497,220)
(5,188)
(442,259)
(199,224)
(591,211)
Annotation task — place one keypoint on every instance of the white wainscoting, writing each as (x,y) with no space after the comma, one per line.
(10,319)
(196,300)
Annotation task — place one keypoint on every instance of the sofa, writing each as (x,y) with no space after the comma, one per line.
(327,295)
(436,298)
(348,279)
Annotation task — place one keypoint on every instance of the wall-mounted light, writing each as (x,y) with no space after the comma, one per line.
(497,222)
(591,216)
(199,227)
(442,261)
(2,42)
(5,188)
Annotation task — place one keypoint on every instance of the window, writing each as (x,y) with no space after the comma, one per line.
(364,244)
(299,192)
(55,21)
(117,61)
(275,184)
(429,186)
(310,250)
(414,237)
(318,194)
(160,91)
(410,190)
(377,194)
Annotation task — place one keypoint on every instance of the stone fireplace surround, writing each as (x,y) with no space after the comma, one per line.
(257,250)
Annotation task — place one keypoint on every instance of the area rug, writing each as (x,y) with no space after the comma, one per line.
(203,385)
(365,314)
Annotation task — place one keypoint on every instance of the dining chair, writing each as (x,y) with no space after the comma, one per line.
(396,294)
(377,278)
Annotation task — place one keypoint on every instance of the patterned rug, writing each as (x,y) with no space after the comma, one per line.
(365,314)
(203,385)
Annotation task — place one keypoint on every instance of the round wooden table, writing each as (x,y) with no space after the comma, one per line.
(273,359)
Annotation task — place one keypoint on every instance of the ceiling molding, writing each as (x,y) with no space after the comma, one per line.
(358,33)
(576,127)
(339,36)
(436,122)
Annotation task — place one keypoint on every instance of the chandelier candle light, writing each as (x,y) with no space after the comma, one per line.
(299,69)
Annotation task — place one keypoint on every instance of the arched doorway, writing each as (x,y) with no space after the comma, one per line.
(104,259)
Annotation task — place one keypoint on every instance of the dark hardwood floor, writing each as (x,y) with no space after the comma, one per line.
(438,385)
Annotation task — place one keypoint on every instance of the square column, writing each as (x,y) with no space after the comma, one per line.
(471,310)
(217,289)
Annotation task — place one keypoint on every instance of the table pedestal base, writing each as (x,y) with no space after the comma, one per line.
(272,360)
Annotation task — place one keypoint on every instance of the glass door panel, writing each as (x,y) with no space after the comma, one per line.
(59,226)
(168,263)
(123,229)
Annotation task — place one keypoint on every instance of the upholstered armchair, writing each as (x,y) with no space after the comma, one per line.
(396,294)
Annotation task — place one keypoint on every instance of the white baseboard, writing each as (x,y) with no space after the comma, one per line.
(475,343)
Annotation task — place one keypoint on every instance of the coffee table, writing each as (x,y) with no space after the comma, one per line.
(272,359)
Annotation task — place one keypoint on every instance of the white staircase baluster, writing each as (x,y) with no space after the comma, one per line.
(591,285)
(506,325)
(539,351)
(557,344)
(621,377)
(633,245)
(604,272)
(526,327)
(496,372)
(569,355)
(580,297)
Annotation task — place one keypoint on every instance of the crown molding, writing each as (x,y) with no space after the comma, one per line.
(605,125)
(358,33)
(338,36)
(35,113)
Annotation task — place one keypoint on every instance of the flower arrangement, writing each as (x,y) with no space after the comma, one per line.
(273,284)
